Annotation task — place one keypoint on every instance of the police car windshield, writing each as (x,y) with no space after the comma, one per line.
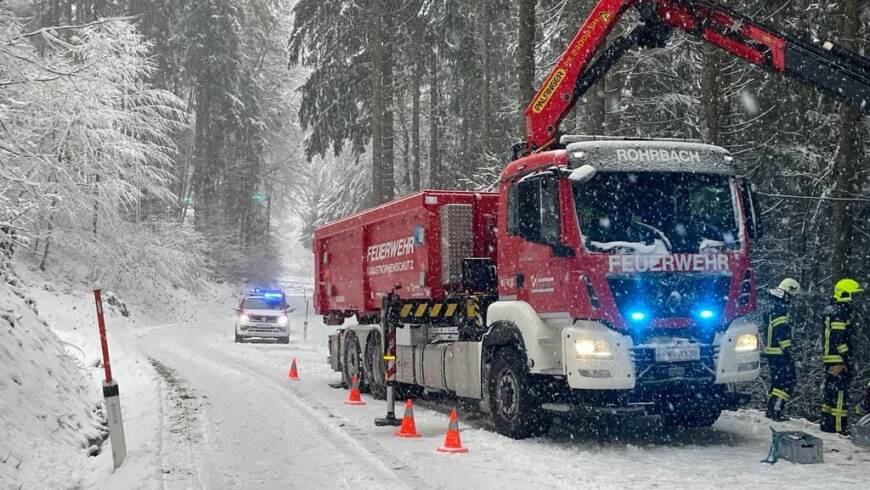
(257,303)
(657,213)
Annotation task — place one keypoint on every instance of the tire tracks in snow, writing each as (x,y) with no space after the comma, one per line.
(184,432)
(334,428)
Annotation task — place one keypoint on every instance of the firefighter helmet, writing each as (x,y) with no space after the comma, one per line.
(845,288)
(790,286)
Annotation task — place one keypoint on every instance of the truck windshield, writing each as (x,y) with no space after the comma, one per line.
(262,304)
(657,213)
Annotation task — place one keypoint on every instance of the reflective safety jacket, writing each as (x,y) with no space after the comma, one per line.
(778,327)
(838,336)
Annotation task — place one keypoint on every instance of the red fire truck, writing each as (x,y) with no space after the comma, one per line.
(604,276)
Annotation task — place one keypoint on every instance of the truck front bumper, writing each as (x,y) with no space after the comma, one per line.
(598,358)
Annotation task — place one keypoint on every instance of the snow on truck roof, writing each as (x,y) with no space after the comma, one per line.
(651,156)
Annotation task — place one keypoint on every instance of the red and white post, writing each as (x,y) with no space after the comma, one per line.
(110,392)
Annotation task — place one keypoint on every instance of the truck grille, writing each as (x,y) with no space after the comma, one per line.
(670,295)
(649,371)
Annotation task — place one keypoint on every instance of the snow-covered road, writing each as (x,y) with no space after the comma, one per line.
(231,419)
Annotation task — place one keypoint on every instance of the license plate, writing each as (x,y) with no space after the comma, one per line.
(678,353)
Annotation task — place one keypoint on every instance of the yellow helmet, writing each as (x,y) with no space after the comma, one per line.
(845,288)
(790,286)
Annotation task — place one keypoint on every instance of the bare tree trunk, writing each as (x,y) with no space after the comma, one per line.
(377,49)
(50,227)
(484,28)
(415,126)
(711,96)
(202,170)
(526,59)
(848,165)
(596,106)
(388,184)
(613,101)
(434,122)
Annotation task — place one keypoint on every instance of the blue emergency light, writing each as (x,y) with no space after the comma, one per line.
(705,314)
(267,293)
(638,315)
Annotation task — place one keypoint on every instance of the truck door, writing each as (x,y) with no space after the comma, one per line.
(537,256)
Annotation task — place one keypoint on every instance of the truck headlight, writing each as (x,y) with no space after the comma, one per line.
(243,318)
(282,320)
(592,349)
(747,342)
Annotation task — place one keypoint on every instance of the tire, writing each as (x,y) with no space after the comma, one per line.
(691,410)
(515,407)
(375,379)
(352,361)
(239,338)
(284,340)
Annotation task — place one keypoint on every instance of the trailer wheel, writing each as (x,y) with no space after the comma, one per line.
(353,362)
(514,405)
(691,410)
(375,368)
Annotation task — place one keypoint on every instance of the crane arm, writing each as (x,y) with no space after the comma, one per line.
(825,66)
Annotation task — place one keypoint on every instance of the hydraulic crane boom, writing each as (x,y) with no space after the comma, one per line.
(825,66)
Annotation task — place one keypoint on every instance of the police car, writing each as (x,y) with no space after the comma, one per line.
(262,314)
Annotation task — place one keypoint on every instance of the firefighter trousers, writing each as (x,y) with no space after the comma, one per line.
(782,382)
(835,406)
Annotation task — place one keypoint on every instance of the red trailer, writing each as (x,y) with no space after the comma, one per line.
(414,245)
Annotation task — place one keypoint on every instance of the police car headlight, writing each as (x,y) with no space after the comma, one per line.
(746,342)
(243,318)
(592,349)
(282,320)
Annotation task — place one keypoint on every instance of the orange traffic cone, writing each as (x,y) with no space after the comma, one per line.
(408,428)
(293,375)
(452,442)
(353,397)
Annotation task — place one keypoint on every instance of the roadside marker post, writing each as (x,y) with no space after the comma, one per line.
(305,324)
(111,393)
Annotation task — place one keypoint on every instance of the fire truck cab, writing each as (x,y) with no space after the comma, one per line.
(624,267)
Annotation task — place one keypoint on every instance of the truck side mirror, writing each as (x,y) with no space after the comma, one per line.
(583,173)
(754,225)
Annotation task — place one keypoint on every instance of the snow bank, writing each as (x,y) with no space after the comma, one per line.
(50,415)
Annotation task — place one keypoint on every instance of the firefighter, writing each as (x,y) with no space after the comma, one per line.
(778,348)
(836,356)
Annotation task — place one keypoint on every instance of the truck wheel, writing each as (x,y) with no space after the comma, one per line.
(514,405)
(284,340)
(239,339)
(691,411)
(375,368)
(353,365)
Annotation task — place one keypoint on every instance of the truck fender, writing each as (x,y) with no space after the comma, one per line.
(502,333)
(541,342)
